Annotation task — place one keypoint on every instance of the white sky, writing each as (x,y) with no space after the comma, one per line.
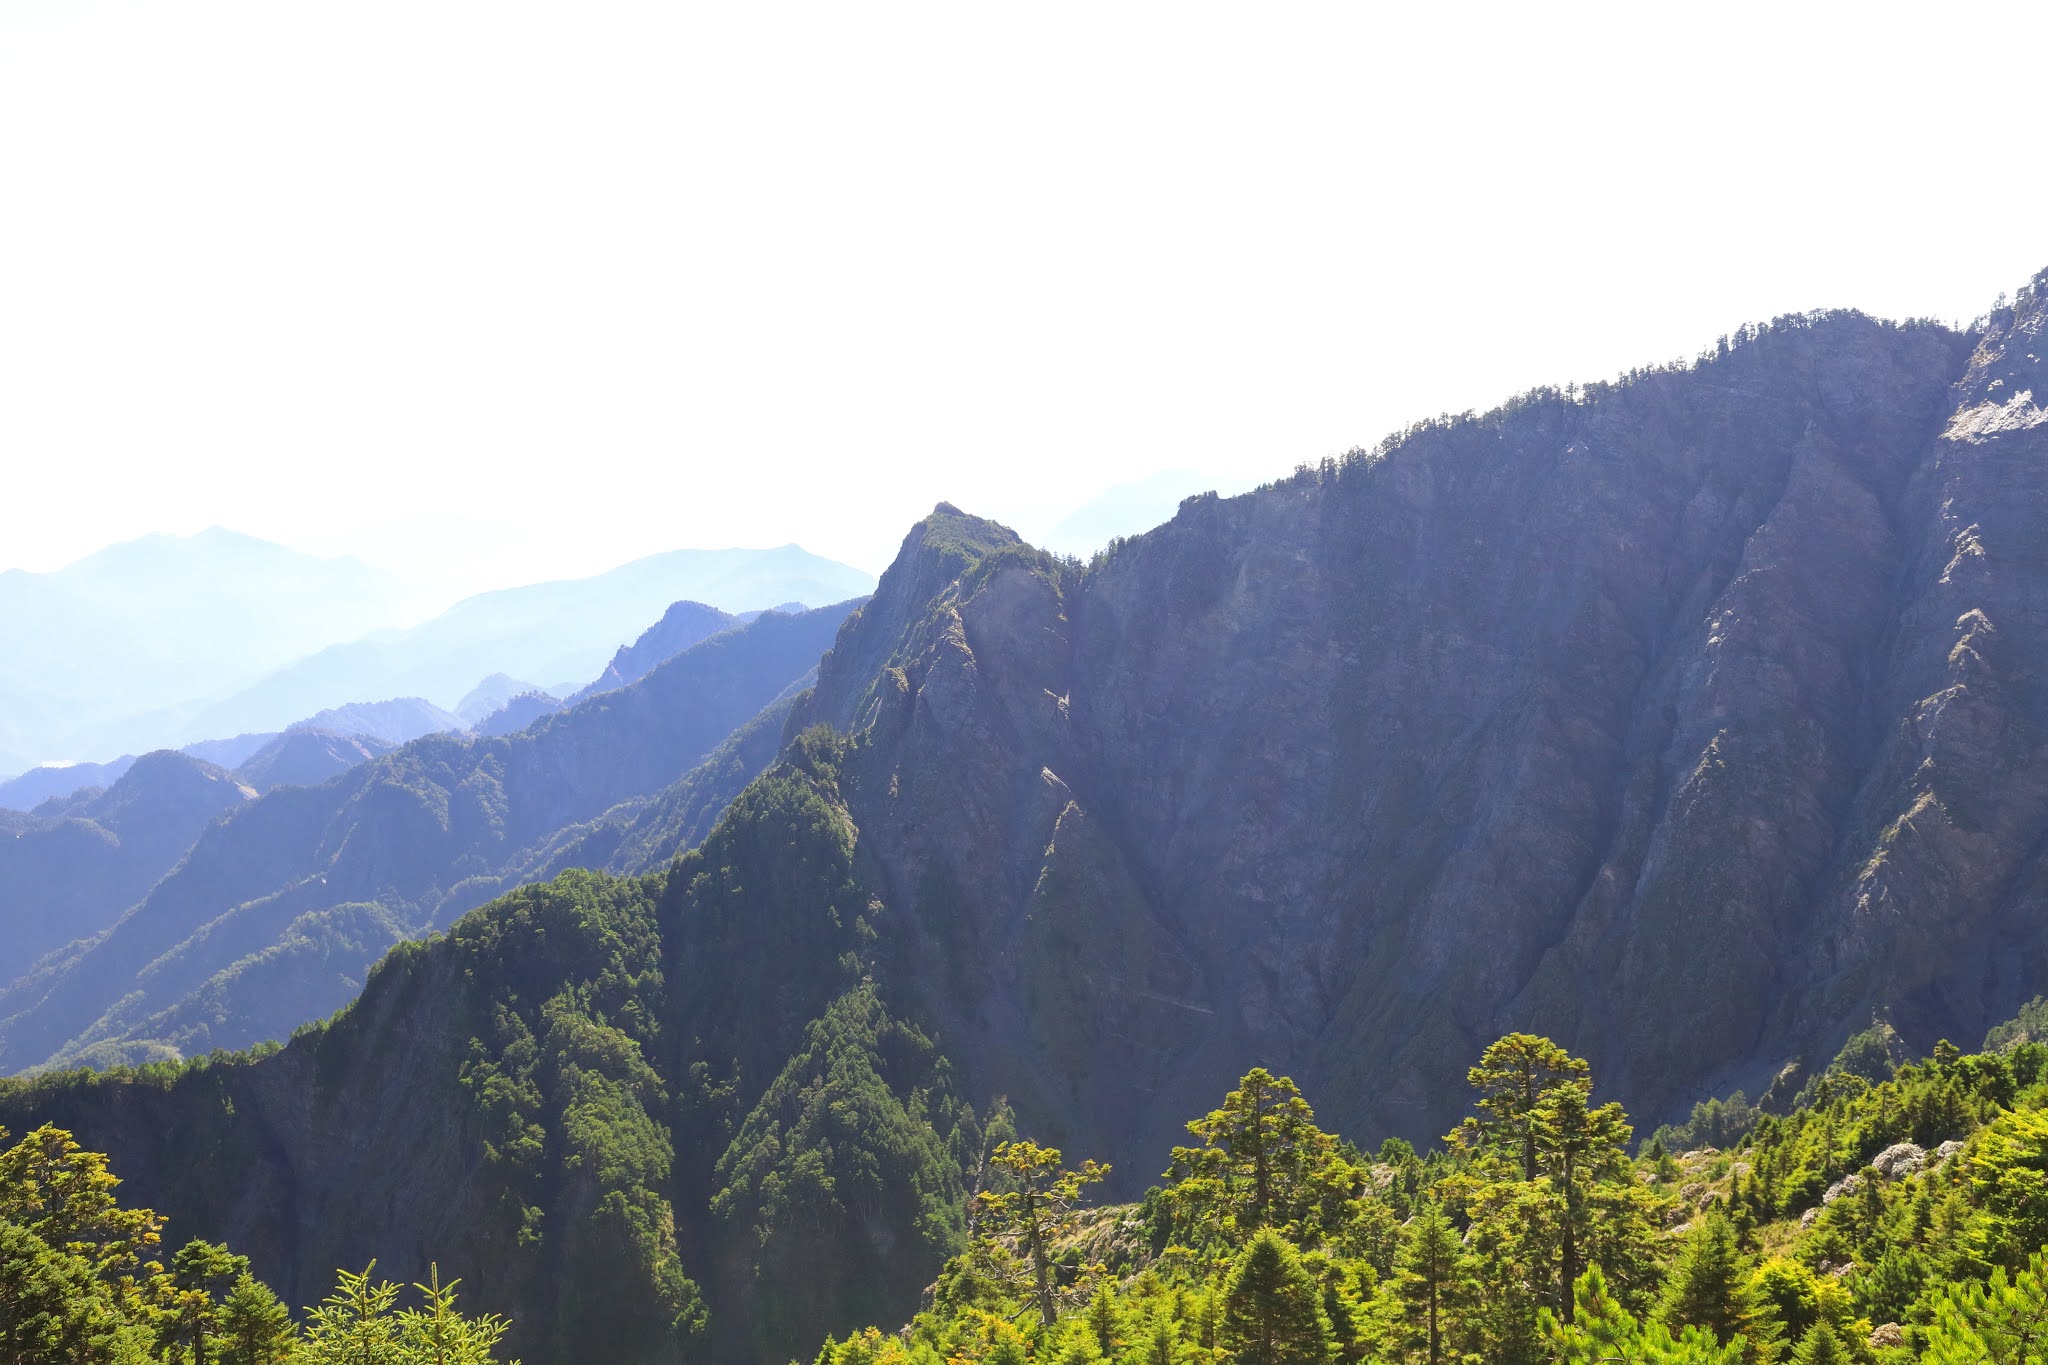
(588,281)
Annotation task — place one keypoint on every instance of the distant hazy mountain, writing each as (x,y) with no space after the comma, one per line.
(154,623)
(38,785)
(305,758)
(499,705)
(274,916)
(394,721)
(231,752)
(518,713)
(490,696)
(67,872)
(554,633)
(682,625)
(379,726)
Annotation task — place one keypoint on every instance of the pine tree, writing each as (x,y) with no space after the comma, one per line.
(1103,1321)
(1260,1159)
(2003,1322)
(1820,1346)
(1430,1265)
(50,1303)
(65,1195)
(199,1270)
(1601,1330)
(1039,1206)
(255,1327)
(1513,1077)
(1707,1286)
(354,1325)
(436,1334)
(1577,1144)
(1271,1313)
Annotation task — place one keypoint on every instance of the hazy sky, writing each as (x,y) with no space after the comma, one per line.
(556,285)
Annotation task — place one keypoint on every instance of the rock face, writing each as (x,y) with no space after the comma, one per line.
(1684,720)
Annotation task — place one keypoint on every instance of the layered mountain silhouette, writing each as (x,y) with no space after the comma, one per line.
(161,620)
(379,726)
(68,870)
(273,916)
(554,634)
(306,757)
(682,625)
(59,782)
(1687,720)
(175,641)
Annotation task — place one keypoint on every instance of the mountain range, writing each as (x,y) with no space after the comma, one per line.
(161,620)
(172,641)
(556,634)
(271,918)
(1690,719)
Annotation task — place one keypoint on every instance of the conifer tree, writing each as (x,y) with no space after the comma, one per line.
(1103,1321)
(50,1304)
(65,1195)
(1271,1310)
(1038,1207)
(255,1326)
(1577,1144)
(354,1325)
(1261,1154)
(1513,1077)
(1430,1265)
(199,1271)
(436,1334)
(1707,1286)
(1601,1330)
(1820,1346)
(2003,1322)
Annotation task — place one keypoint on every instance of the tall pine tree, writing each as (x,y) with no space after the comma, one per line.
(1272,1314)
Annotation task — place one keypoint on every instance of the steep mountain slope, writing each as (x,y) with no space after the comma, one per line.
(68,871)
(1686,720)
(163,620)
(542,1096)
(307,757)
(231,752)
(518,713)
(275,914)
(682,625)
(552,633)
(490,695)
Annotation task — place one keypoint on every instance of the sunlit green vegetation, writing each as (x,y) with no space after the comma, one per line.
(86,1281)
(1886,1218)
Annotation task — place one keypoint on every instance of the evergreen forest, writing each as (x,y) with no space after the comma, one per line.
(1893,1212)
(1882,1219)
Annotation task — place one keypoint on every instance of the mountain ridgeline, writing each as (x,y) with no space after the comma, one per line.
(1687,720)
(272,917)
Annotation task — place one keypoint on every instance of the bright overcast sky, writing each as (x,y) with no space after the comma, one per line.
(613,278)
